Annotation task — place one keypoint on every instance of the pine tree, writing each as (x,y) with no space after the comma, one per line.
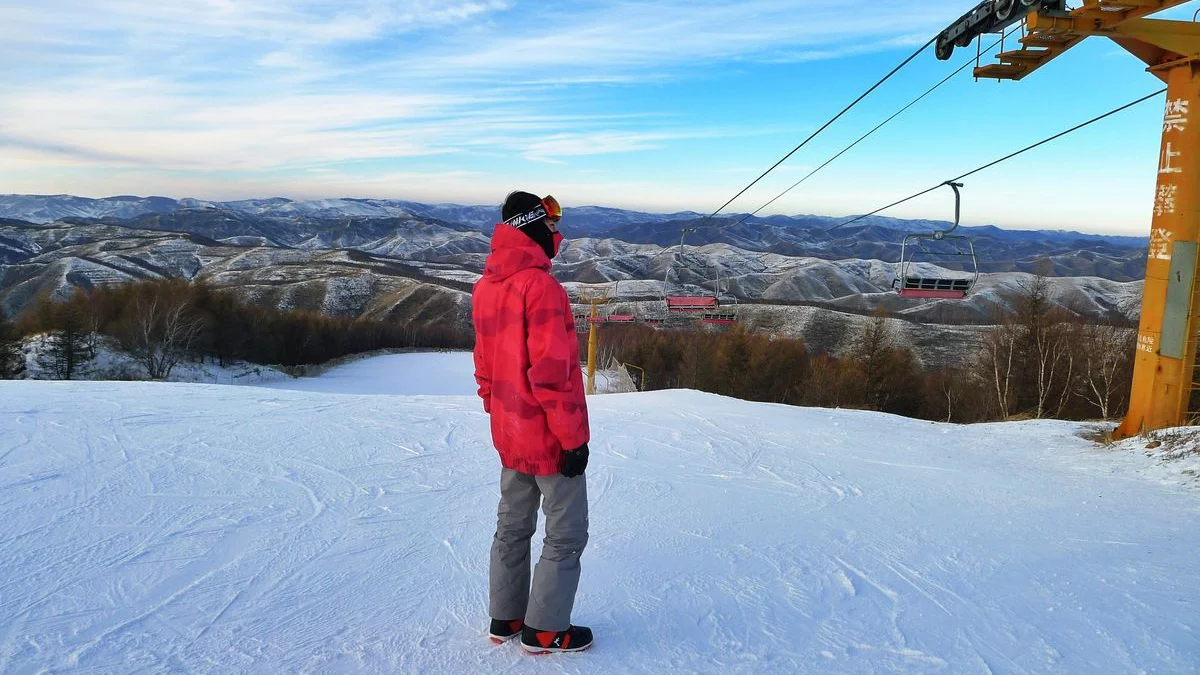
(12,365)
(735,363)
(884,367)
(66,347)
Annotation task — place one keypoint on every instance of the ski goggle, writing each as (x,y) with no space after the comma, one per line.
(549,208)
(553,210)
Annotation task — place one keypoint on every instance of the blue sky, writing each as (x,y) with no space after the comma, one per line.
(659,106)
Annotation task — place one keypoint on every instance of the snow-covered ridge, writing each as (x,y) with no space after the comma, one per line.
(50,208)
(345,529)
(589,219)
(329,223)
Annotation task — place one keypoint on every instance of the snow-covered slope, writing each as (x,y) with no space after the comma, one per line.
(214,529)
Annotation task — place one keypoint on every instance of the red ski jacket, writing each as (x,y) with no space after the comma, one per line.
(527,357)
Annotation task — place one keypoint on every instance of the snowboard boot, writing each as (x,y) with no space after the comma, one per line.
(502,631)
(573,639)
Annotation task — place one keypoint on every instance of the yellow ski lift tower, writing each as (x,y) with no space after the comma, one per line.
(594,297)
(1163,375)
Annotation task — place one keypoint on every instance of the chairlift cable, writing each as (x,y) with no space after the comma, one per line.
(1002,159)
(824,126)
(862,138)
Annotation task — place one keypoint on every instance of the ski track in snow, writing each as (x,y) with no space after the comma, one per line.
(168,528)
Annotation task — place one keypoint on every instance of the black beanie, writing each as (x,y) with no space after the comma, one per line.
(520,203)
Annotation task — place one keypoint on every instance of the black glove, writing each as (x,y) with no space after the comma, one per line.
(574,461)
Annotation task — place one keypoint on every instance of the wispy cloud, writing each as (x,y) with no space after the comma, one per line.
(292,22)
(622,36)
(287,88)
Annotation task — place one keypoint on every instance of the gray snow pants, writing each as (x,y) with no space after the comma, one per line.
(564,500)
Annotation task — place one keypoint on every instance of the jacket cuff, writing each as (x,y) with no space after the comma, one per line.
(575,440)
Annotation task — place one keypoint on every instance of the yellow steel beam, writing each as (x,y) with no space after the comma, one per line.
(1055,34)
(1180,37)
(1156,42)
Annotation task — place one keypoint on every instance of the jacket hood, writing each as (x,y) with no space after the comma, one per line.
(512,252)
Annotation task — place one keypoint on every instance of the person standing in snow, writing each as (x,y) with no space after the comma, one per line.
(527,367)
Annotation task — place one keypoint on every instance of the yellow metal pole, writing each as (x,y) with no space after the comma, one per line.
(1166,345)
(594,298)
(593,339)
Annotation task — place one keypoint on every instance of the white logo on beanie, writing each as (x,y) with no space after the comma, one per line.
(522,219)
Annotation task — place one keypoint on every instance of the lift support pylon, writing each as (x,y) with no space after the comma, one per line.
(1164,366)
(593,297)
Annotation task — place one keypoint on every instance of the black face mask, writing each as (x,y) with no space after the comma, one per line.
(540,233)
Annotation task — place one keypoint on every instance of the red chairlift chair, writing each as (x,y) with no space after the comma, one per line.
(726,311)
(682,303)
(691,303)
(723,316)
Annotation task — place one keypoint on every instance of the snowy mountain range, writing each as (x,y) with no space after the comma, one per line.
(1119,258)
(51,208)
(353,257)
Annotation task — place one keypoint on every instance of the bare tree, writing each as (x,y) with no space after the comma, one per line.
(1049,357)
(91,336)
(1107,355)
(999,363)
(163,330)
(1064,390)
(1044,339)
(946,388)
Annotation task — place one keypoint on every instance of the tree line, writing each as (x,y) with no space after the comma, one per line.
(165,322)
(1037,360)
